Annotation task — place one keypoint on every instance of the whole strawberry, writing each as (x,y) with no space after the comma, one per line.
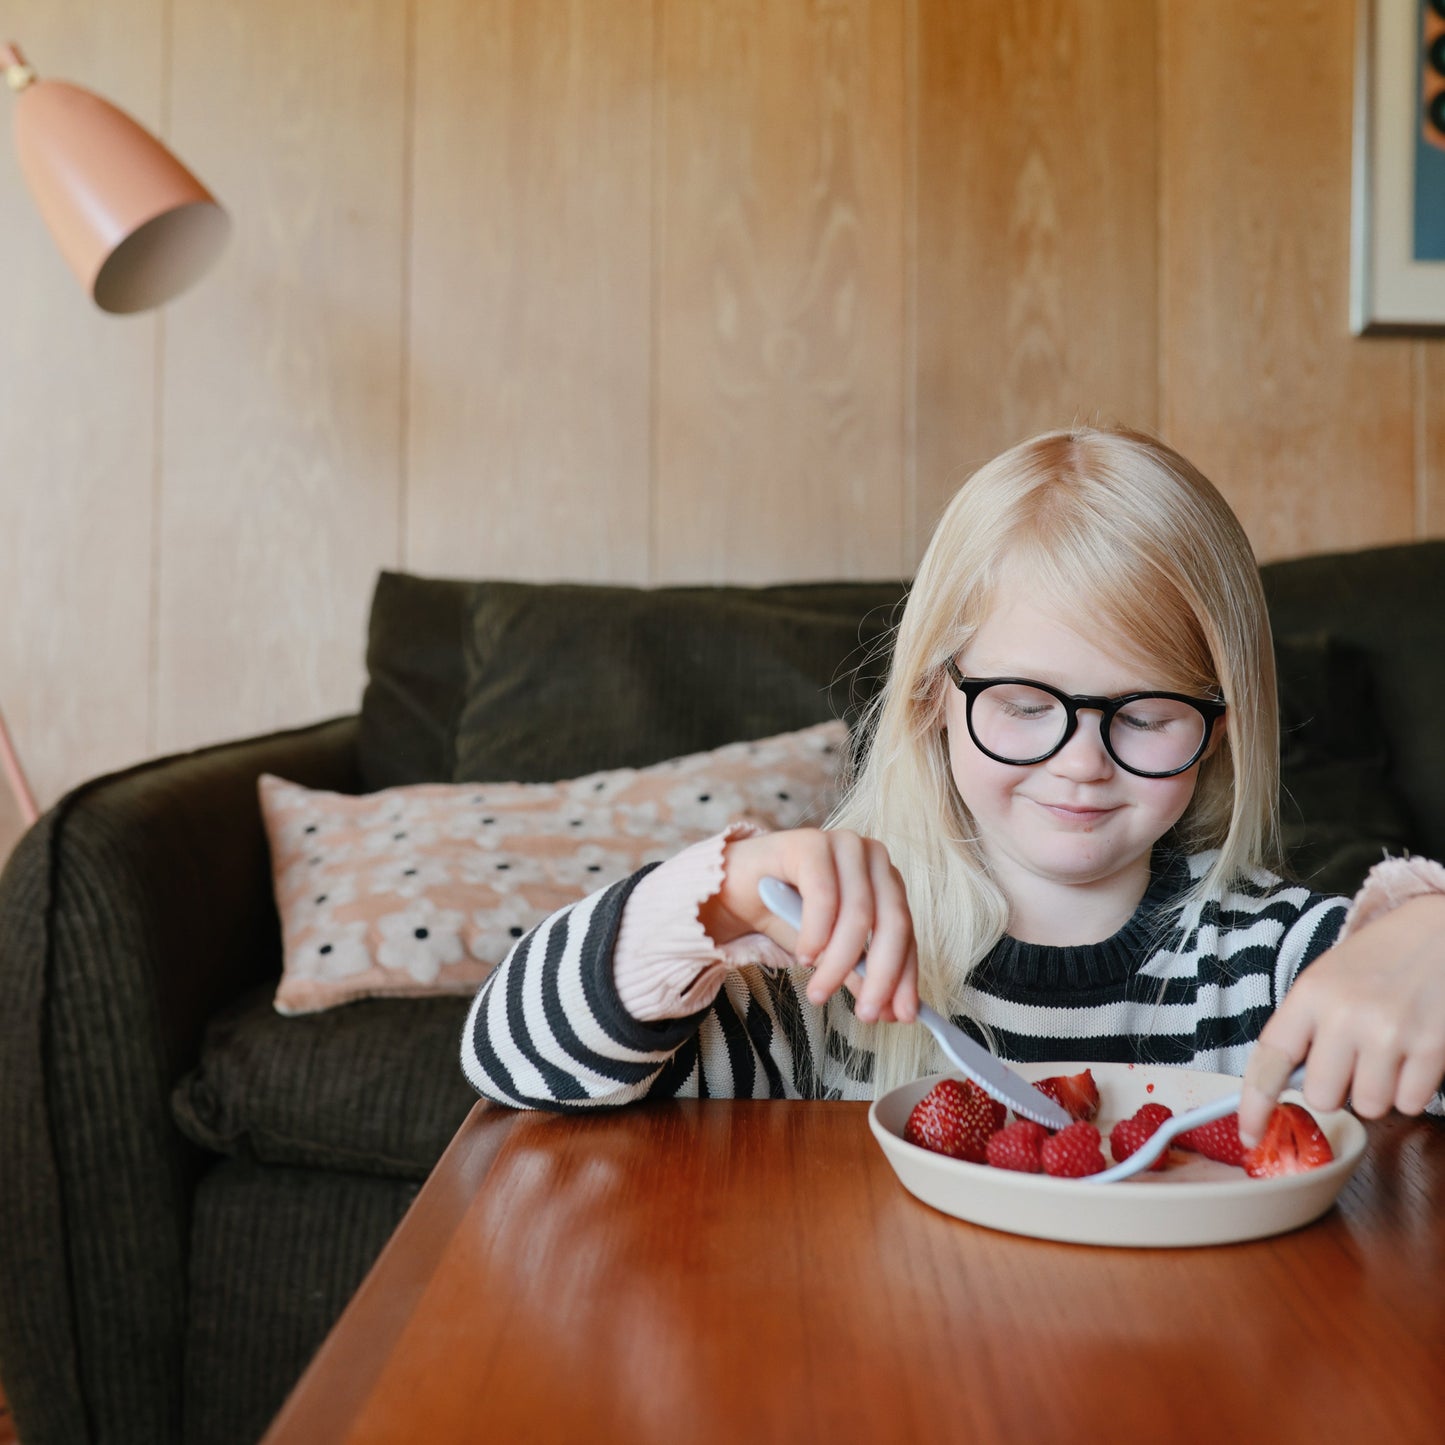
(955,1118)
(1073,1152)
(1219,1140)
(1018,1147)
(1129,1135)
(1076,1094)
(1293,1143)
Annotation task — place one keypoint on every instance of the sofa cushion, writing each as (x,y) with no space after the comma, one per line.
(1387,604)
(373,1088)
(567,679)
(275,1255)
(415,680)
(423,889)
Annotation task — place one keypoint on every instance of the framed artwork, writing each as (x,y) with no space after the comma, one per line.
(1397,283)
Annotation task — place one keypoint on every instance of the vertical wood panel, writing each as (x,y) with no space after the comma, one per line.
(530,281)
(1430,406)
(281,441)
(780,309)
(1307,430)
(77,426)
(1037,214)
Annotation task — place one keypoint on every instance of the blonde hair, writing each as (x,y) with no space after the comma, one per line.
(1123,530)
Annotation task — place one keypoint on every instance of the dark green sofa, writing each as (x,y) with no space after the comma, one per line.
(191,1186)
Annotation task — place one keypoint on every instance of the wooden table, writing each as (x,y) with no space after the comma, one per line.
(748,1271)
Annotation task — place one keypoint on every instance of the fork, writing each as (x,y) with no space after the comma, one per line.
(992,1075)
(1159,1140)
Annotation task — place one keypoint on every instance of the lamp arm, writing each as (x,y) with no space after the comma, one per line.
(15,775)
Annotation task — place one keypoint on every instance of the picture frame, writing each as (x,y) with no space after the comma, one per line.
(1397,244)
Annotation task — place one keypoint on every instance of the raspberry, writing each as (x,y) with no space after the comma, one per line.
(1219,1140)
(1017,1147)
(1073,1152)
(1129,1135)
(1153,1114)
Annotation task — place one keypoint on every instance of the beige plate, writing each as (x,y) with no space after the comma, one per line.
(1192,1201)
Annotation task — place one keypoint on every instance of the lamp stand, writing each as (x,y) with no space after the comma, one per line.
(15,775)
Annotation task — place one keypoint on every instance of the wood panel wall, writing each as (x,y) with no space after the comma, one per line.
(653,291)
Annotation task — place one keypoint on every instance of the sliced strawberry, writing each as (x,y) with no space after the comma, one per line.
(1073,1152)
(955,1118)
(1219,1140)
(1076,1094)
(1129,1135)
(1017,1147)
(1293,1143)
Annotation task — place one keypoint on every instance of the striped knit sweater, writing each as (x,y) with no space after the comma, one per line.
(548,1031)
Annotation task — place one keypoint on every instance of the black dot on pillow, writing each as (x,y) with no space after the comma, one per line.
(594,867)
(783,796)
(423,932)
(321,898)
(324,949)
(502,867)
(515,931)
(408,872)
(704,797)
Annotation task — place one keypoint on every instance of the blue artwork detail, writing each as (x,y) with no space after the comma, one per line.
(1429,139)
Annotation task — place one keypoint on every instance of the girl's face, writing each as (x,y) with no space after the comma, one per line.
(1076,818)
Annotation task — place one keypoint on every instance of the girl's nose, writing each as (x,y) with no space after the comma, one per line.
(1084,757)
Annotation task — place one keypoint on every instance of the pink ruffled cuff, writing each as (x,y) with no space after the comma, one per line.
(664,965)
(1387,885)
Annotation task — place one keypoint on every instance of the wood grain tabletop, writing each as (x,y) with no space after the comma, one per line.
(753,1271)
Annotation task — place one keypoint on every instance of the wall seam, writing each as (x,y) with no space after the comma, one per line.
(404,366)
(657,240)
(911,132)
(1161,226)
(158,384)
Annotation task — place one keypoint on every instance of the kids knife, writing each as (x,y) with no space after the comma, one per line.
(992,1075)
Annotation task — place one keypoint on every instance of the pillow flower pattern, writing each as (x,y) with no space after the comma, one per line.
(423,889)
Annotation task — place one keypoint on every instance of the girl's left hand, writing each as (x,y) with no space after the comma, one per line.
(1369,1015)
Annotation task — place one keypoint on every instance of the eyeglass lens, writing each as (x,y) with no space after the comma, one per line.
(1020,724)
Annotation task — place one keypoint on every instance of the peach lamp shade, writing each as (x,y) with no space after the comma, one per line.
(131,221)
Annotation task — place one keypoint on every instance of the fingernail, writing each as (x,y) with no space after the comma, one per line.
(806,959)
(867,1012)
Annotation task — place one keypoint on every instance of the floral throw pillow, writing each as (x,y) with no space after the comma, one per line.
(423,889)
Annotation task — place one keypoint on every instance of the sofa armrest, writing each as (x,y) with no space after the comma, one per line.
(131,912)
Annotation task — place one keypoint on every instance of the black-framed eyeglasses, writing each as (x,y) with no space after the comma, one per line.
(1150,734)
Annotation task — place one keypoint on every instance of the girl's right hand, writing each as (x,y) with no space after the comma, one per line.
(853,902)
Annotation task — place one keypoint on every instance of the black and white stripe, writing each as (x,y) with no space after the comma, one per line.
(548,1031)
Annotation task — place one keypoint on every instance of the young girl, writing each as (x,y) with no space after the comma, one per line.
(1062,836)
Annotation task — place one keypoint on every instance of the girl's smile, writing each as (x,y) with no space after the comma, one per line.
(1068,839)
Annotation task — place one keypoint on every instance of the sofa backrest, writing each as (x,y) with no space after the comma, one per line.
(1383,609)
(527,682)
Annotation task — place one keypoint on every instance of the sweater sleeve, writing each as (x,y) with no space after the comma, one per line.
(550,1030)
(665,964)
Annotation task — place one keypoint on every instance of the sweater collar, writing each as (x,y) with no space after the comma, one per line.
(1044,966)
